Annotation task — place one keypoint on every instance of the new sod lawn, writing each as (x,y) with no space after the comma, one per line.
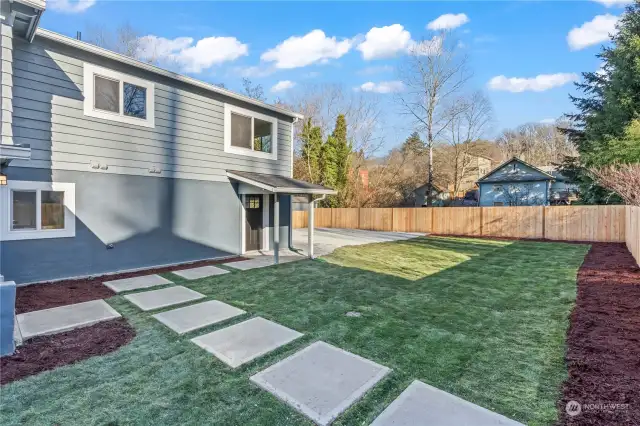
(484,320)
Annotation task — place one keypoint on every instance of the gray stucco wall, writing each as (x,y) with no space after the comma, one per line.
(187,141)
(150,221)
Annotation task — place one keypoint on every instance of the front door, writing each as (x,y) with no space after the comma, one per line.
(253,208)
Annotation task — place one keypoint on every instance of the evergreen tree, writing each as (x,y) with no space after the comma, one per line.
(343,149)
(606,132)
(413,144)
(311,137)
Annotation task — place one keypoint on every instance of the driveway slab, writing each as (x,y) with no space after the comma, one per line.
(246,341)
(201,272)
(64,318)
(265,259)
(192,317)
(136,283)
(321,381)
(421,404)
(156,299)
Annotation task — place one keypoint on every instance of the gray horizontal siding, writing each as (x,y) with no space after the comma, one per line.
(187,141)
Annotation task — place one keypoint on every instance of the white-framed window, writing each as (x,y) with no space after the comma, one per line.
(112,95)
(250,133)
(37,210)
(497,188)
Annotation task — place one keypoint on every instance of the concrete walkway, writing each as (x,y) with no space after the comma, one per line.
(424,405)
(264,258)
(326,240)
(64,318)
(136,283)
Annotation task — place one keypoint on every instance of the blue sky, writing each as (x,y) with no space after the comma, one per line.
(538,48)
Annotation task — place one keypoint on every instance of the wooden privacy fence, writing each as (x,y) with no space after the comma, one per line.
(581,223)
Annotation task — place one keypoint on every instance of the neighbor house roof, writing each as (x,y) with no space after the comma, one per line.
(279,184)
(87,47)
(514,178)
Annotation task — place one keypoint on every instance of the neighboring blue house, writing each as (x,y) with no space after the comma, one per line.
(109,164)
(515,183)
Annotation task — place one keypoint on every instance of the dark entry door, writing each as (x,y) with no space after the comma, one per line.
(253,208)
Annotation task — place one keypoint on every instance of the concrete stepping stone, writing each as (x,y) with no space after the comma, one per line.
(421,404)
(201,272)
(261,262)
(136,283)
(321,381)
(156,299)
(192,317)
(246,341)
(64,318)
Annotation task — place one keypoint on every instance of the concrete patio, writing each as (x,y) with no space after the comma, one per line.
(326,240)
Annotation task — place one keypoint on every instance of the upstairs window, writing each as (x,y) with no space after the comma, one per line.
(111,95)
(250,133)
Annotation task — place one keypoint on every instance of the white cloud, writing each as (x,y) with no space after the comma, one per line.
(539,83)
(614,3)
(311,48)
(382,87)
(385,42)
(193,58)
(283,85)
(593,32)
(448,21)
(70,6)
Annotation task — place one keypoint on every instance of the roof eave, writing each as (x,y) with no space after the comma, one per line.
(87,47)
(279,189)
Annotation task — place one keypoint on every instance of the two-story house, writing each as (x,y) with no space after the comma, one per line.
(112,164)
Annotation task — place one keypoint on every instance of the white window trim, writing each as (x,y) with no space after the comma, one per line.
(91,70)
(228,109)
(8,234)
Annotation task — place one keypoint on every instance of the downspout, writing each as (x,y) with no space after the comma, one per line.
(295,120)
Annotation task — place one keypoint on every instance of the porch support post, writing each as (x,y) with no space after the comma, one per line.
(310,226)
(276,228)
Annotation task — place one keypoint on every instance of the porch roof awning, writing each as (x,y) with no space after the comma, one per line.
(279,184)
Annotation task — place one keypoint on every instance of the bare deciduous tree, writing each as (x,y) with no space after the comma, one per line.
(624,180)
(536,143)
(254,91)
(124,40)
(324,102)
(433,74)
(470,117)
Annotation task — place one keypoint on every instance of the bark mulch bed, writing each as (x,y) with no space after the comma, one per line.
(603,342)
(49,352)
(47,295)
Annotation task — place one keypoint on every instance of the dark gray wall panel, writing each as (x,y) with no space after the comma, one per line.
(150,221)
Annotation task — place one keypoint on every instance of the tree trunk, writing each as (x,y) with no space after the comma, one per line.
(430,177)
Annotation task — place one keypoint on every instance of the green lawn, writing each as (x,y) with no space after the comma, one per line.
(485,320)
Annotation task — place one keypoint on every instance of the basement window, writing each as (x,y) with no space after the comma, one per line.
(250,133)
(38,210)
(111,95)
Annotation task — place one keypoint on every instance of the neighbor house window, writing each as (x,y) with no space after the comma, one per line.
(38,210)
(250,133)
(497,188)
(119,97)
